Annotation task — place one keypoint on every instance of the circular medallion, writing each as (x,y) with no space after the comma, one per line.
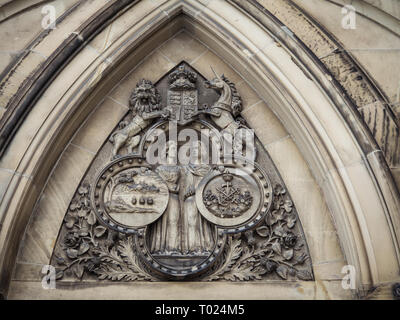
(234,197)
(129,195)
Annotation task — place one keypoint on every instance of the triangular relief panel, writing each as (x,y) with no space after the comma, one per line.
(182,190)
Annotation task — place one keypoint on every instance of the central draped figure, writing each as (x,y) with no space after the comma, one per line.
(182,230)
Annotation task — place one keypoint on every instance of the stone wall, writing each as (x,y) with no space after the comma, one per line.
(325,113)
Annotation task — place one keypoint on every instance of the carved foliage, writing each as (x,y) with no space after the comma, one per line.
(86,247)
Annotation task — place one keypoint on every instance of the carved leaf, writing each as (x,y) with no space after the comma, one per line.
(200,171)
(120,263)
(86,203)
(106,255)
(263,231)
(288,254)
(282,271)
(84,229)
(279,231)
(91,218)
(110,272)
(99,231)
(304,275)
(83,189)
(82,213)
(72,253)
(69,221)
(247,267)
(123,124)
(272,218)
(78,270)
(232,255)
(299,245)
(83,248)
(277,247)
(60,260)
(74,205)
(281,215)
(301,258)
(131,259)
(244,272)
(291,221)
(59,274)
(268,219)
(288,205)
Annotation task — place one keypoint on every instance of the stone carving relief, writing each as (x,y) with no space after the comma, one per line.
(190,215)
(226,198)
(144,105)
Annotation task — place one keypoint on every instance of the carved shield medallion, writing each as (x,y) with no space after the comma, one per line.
(233,197)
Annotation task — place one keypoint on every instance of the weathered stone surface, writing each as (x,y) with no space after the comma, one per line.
(358,195)
(259,117)
(343,68)
(203,63)
(385,131)
(182,47)
(331,290)
(349,77)
(43,229)
(152,68)
(370,42)
(188,290)
(108,113)
(249,95)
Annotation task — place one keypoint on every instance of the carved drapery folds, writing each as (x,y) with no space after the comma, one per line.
(180,192)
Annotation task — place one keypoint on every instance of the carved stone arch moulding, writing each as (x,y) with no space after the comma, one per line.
(335,143)
(155,205)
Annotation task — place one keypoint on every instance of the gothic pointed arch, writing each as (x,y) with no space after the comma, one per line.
(67,121)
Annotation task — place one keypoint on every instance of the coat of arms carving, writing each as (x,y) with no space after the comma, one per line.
(183,195)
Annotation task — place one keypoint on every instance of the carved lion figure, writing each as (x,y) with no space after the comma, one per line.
(144,98)
(144,104)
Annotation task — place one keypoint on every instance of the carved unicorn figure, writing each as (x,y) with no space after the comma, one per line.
(226,109)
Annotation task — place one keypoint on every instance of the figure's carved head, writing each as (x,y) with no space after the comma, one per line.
(216,83)
(220,83)
(145,97)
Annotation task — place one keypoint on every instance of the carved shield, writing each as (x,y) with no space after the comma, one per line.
(183,105)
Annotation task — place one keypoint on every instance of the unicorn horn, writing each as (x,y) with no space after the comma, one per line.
(215,72)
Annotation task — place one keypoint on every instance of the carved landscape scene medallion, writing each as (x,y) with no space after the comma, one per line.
(130,195)
(182,190)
